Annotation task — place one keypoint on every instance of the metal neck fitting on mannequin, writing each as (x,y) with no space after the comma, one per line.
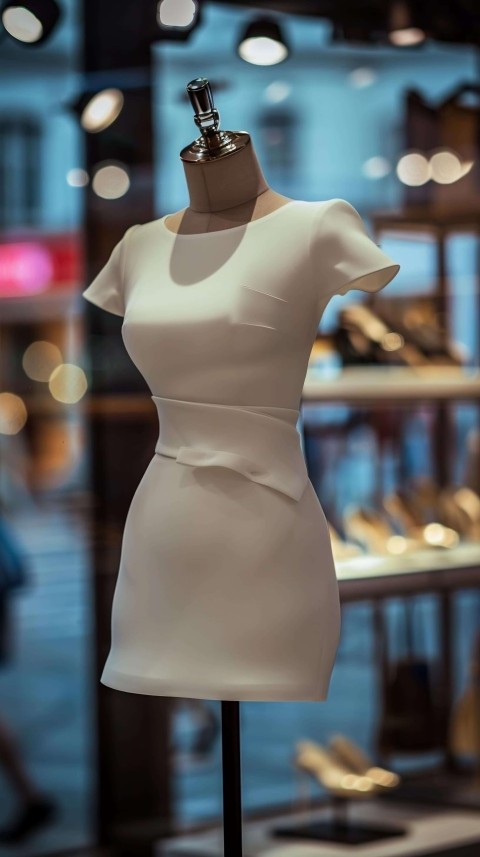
(213,143)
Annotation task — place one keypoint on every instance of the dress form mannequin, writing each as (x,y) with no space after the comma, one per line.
(225,189)
(227,587)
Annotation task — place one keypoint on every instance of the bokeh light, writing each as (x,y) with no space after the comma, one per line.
(407,37)
(40,359)
(260,50)
(176,13)
(277,91)
(68,383)
(13,413)
(392,341)
(76,177)
(446,167)
(22,24)
(111,181)
(102,110)
(362,77)
(376,167)
(413,169)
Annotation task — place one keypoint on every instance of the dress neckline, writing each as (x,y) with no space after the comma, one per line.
(230,228)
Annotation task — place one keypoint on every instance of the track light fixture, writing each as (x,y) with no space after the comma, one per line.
(263,43)
(30,22)
(403,29)
(177,19)
(98,110)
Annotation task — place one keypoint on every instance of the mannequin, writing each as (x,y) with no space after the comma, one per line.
(228,190)
(227,587)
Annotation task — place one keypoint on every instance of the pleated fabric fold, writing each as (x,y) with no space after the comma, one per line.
(261,443)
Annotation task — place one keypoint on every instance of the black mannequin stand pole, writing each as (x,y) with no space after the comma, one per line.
(232,784)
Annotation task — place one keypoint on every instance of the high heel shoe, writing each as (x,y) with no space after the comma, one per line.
(418,326)
(460,508)
(376,534)
(357,760)
(336,777)
(432,534)
(362,337)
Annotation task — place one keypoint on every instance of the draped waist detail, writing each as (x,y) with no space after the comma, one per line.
(262,443)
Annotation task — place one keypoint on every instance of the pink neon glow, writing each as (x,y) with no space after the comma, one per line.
(26,268)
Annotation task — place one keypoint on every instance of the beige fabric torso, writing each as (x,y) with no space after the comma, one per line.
(227,586)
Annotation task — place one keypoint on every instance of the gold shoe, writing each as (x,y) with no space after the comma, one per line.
(372,530)
(461,510)
(351,755)
(338,779)
(433,534)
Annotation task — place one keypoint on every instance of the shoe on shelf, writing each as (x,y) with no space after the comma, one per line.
(432,534)
(419,327)
(456,507)
(342,549)
(372,530)
(403,510)
(363,337)
(350,754)
(333,775)
(460,508)
(34,814)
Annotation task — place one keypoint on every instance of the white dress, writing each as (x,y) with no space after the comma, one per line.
(227,587)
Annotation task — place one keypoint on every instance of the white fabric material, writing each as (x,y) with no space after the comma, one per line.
(264,446)
(227,586)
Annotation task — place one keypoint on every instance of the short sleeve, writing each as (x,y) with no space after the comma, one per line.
(343,254)
(107,289)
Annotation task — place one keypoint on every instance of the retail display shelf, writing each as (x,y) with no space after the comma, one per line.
(395,383)
(429,831)
(431,219)
(465,555)
(432,569)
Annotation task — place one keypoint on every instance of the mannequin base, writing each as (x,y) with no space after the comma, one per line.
(339,828)
(339,831)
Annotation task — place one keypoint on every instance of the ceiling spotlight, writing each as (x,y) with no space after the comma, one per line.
(263,43)
(176,13)
(402,30)
(30,22)
(99,110)
(177,19)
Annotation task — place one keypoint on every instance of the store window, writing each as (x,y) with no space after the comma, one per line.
(20,171)
(276,132)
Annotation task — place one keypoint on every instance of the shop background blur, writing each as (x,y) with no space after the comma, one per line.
(332,121)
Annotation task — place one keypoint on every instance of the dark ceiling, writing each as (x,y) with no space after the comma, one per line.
(456,21)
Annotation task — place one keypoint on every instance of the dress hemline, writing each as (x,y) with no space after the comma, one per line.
(241,693)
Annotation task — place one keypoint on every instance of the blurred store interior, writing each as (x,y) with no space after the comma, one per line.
(377,103)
